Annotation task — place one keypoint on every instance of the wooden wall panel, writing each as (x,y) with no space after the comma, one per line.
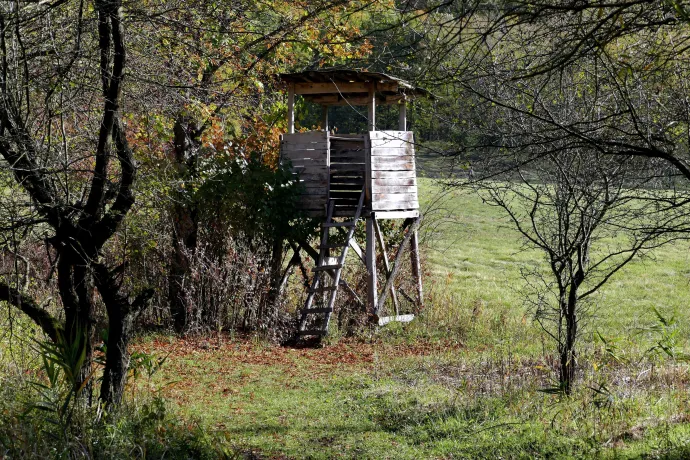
(392,176)
(308,155)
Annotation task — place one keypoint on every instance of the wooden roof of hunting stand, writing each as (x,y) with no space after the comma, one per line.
(371,175)
(349,87)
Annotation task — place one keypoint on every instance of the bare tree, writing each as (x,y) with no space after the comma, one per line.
(62,67)
(590,216)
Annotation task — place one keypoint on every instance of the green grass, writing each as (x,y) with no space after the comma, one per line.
(479,255)
(464,380)
(474,391)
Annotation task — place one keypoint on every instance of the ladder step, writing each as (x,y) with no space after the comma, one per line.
(322,289)
(317,310)
(327,267)
(313,332)
(338,224)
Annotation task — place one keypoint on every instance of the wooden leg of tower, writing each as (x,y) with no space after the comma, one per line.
(386,265)
(416,269)
(372,296)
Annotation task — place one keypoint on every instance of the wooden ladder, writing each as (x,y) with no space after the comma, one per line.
(325,266)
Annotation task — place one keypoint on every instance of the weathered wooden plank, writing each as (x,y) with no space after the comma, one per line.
(314,212)
(393,174)
(405,163)
(353,187)
(296,146)
(341,167)
(395,196)
(395,319)
(392,160)
(377,189)
(304,153)
(348,137)
(383,135)
(397,214)
(307,139)
(315,193)
(341,87)
(392,151)
(348,152)
(346,183)
(394,205)
(398,165)
(306,161)
(390,182)
(317,151)
(389,143)
(347,159)
(354,177)
(310,136)
(313,197)
(310,169)
(330,88)
(317,179)
(346,194)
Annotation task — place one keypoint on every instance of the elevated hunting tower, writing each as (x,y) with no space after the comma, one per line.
(346,177)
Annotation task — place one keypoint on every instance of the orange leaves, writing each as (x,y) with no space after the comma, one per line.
(149,134)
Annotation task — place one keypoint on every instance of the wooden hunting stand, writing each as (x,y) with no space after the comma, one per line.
(351,176)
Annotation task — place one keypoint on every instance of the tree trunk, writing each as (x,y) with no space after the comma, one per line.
(185,224)
(568,355)
(75,284)
(121,317)
(117,357)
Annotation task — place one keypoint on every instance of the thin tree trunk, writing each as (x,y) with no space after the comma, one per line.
(185,226)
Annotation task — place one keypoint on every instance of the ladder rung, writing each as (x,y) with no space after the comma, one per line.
(317,310)
(338,224)
(313,332)
(322,289)
(327,267)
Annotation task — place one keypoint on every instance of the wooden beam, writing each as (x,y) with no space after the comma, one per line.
(397,264)
(402,118)
(324,117)
(328,99)
(416,268)
(291,108)
(386,265)
(395,319)
(372,294)
(330,88)
(372,108)
(343,87)
(313,253)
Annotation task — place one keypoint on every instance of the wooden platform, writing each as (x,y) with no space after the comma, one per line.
(337,167)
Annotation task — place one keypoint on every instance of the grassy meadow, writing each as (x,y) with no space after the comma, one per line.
(469,378)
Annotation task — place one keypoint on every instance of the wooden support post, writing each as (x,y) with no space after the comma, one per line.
(372,294)
(402,118)
(372,107)
(291,108)
(396,263)
(324,117)
(382,243)
(416,269)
